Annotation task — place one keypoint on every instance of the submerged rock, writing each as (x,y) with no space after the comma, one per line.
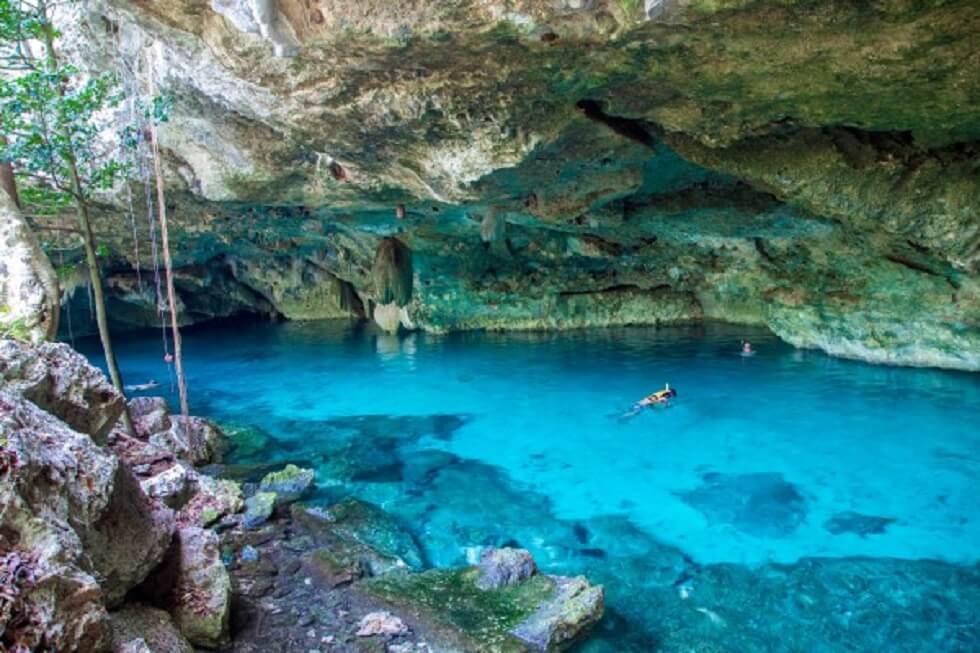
(360,539)
(764,504)
(858,524)
(245,440)
(372,526)
(288,484)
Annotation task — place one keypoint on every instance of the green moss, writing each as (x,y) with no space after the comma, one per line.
(451,598)
(209,515)
(17,328)
(631,8)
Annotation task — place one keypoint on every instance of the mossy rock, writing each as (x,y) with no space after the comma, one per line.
(449,601)
(288,484)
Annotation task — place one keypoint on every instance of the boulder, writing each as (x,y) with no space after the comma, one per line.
(502,567)
(145,459)
(194,439)
(168,486)
(50,602)
(258,509)
(568,615)
(202,589)
(289,484)
(246,440)
(79,515)
(60,381)
(211,499)
(372,526)
(129,539)
(138,627)
(150,415)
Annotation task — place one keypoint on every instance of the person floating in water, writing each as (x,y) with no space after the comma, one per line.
(747,348)
(142,387)
(659,397)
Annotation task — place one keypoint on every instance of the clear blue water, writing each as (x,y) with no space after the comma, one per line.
(759,464)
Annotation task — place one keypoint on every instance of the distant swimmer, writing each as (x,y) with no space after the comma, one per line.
(659,397)
(142,387)
(747,348)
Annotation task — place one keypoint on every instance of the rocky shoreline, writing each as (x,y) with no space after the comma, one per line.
(124,543)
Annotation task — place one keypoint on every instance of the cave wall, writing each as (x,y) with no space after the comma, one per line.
(808,166)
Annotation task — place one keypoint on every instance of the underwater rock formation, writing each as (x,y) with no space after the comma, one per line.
(619,163)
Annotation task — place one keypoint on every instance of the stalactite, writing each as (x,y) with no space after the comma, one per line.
(493,227)
(392,272)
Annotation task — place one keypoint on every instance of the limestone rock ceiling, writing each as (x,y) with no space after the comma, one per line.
(749,158)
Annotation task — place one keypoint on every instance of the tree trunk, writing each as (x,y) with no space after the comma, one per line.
(167,264)
(85,226)
(28,283)
(7,181)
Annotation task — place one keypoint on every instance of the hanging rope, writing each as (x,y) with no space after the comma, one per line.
(155,253)
(165,245)
(71,334)
(132,213)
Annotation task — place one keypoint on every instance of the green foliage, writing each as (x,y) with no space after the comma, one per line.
(631,8)
(17,328)
(51,113)
(44,200)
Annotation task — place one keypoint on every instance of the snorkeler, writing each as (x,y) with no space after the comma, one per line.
(141,387)
(659,397)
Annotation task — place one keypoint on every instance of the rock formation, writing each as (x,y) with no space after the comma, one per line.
(72,513)
(84,526)
(617,163)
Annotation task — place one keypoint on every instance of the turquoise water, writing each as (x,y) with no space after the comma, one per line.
(787,474)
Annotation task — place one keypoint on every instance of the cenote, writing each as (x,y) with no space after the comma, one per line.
(787,494)
(610,326)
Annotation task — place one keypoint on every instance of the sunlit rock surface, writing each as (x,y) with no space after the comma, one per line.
(808,167)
